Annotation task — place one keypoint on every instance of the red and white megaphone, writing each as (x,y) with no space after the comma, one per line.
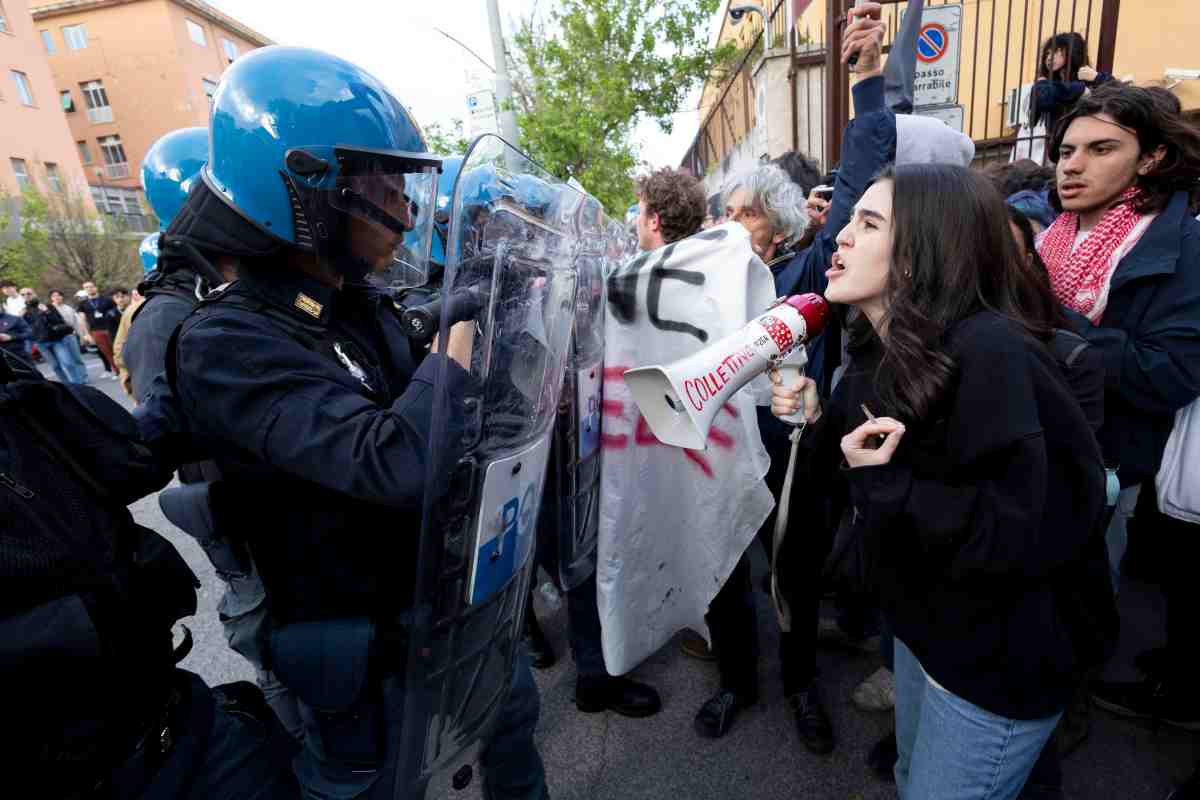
(680,400)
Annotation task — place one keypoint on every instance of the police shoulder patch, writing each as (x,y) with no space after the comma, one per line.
(308,305)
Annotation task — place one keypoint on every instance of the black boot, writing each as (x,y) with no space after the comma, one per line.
(812,722)
(622,695)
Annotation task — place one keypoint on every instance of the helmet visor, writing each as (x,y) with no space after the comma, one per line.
(387,199)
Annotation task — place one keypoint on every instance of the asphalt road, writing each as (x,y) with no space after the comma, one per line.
(608,757)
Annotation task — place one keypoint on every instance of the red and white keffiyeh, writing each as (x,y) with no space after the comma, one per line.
(1080,278)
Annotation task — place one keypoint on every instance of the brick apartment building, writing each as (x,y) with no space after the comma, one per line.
(35,145)
(128,71)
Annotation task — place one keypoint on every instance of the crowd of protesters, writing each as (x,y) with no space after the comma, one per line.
(987,413)
(57,331)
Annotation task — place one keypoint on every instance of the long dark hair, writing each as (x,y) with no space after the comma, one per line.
(1076,49)
(953,256)
(1156,124)
(1036,294)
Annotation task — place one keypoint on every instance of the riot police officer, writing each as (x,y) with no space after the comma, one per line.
(316,407)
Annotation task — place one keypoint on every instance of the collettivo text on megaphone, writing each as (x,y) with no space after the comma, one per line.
(679,400)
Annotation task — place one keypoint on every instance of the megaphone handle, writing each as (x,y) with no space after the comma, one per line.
(791,374)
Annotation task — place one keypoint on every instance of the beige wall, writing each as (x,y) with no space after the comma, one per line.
(36,134)
(151,70)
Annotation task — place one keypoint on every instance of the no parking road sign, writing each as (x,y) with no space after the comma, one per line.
(939,45)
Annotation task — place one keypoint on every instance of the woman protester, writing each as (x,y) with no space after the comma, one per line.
(975,497)
(55,339)
(1065,74)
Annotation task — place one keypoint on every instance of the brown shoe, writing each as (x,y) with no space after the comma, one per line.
(693,645)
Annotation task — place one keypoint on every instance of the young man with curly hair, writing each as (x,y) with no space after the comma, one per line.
(671,206)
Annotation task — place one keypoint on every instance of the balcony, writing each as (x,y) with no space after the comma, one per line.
(101,114)
(116,170)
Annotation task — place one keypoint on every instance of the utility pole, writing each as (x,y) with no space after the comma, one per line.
(508,119)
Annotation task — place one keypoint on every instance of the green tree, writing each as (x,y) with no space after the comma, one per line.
(64,239)
(447,139)
(585,74)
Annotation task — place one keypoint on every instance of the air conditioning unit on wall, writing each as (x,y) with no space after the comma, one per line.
(1016,110)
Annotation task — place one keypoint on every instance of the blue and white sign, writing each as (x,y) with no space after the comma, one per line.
(939,46)
(588,389)
(504,537)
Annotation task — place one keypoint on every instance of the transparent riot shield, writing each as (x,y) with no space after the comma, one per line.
(570,523)
(509,306)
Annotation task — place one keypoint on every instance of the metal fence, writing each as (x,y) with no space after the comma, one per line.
(1001,43)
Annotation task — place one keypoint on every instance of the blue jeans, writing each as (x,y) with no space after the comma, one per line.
(950,749)
(66,358)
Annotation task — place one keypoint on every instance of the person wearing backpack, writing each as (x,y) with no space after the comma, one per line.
(94,704)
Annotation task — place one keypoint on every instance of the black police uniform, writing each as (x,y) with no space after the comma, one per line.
(169,299)
(316,408)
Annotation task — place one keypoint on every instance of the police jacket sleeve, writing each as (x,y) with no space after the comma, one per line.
(982,512)
(1155,366)
(285,405)
(869,144)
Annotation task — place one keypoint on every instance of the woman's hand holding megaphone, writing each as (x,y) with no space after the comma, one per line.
(788,400)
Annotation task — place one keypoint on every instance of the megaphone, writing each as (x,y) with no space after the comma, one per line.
(679,400)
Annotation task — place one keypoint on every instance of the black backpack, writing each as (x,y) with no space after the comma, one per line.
(88,597)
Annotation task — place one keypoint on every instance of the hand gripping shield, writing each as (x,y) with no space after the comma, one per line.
(508,244)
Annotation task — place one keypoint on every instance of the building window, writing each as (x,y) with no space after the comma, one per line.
(210,88)
(97,101)
(115,163)
(75,36)
(123,204)
(196,33)
(23,89)
(48,40)
(18,167)
(66,101)
(85,152)
(231,51)
(52,177)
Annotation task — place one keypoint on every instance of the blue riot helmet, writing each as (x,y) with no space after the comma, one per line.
(170,168)
(451,166)
(317,153)
(148,252)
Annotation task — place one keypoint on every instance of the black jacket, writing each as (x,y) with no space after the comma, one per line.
(1149,338)
(985,528)
(169,299)
(323,467)
(47,325)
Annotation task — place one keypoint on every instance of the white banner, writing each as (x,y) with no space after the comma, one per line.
(674,522)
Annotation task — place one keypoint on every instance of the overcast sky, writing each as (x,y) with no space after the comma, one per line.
(396,40)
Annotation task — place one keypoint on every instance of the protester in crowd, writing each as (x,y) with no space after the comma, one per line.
(27,296)
(1124,259)
(1064,75)
(130,307)
(670,207)
(100,319)
(14,332)
(950,514)
(772,208)
(714,213)
(1026,185)
(13,304)
(69,343)
(55,339)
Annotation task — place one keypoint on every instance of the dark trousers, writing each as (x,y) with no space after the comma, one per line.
(1178,543)
(734,627)
(583,625)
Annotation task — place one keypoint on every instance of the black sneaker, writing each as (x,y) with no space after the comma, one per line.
(541,654)
(716,716)
(621,695)
(812,723)
(1151,699)
(882,758)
